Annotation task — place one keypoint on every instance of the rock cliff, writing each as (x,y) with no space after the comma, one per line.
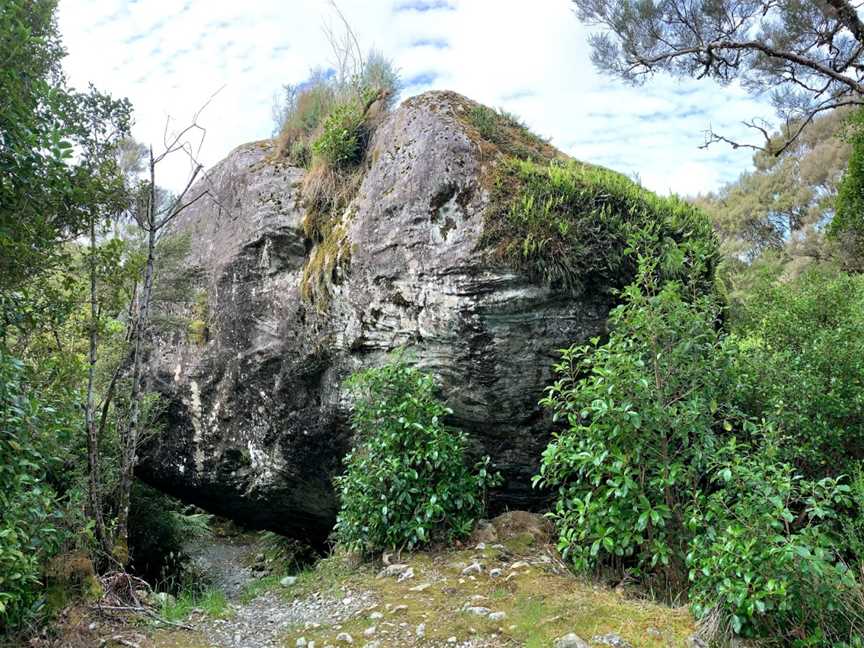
(257,422)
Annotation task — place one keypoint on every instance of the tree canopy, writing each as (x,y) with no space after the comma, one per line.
(783,203)
(807,55)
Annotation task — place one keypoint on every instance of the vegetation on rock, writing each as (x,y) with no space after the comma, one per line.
(326,127)
(569,224)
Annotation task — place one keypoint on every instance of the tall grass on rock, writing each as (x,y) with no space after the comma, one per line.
(327,123)
(567,224)
(407,482)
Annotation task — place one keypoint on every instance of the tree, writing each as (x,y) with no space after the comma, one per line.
(100,177)
(783,203)
(808,55)
(153,214)
(847,227)
(35,124)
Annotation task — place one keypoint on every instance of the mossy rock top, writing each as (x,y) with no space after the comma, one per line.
(570,224)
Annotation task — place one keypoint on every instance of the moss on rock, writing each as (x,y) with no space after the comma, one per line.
(571,225)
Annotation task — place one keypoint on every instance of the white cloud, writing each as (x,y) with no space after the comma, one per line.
(169,56)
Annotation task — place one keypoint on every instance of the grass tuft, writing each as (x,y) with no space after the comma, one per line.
(211,602)
(509,134)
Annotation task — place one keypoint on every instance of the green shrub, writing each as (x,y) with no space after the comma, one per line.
(29,511)
(802,368)
(159,529)
(728,464)
(406,482)
(765,557)
(341,141)
(568,224)
(847,225)
(641,415)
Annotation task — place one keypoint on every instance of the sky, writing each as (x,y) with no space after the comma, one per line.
(530,58)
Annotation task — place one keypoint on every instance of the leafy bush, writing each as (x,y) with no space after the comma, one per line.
(802,368)
(765,555)
(642,415)
(340,142)
(568,224)
(29,532)
(733,457)
(406,483)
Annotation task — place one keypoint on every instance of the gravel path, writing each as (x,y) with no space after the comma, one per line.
(224,560)
(261,622)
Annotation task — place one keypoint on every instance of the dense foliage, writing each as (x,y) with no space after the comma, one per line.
(801,368)
(642,414)
(847,225)
(34,147)
(727,463)
(568,224)
(767,553)
(30,530)
(160,531)
(406,481)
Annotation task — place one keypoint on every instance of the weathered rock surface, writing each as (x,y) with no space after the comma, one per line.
(256,424)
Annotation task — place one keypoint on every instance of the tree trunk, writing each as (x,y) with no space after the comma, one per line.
(95,481)
(130,440)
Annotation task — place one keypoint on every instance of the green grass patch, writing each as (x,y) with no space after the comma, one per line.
(508,133)
(569,225)
(259,586)
(540,605)
(211,602)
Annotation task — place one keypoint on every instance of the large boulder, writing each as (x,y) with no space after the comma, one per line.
(257,419)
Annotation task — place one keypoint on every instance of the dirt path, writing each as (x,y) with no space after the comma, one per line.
(257,621)
(225,561)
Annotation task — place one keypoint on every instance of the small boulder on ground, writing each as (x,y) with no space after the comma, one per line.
(610,639)
(514,524)
(571,640)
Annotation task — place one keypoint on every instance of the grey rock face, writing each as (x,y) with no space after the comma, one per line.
(257,420)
